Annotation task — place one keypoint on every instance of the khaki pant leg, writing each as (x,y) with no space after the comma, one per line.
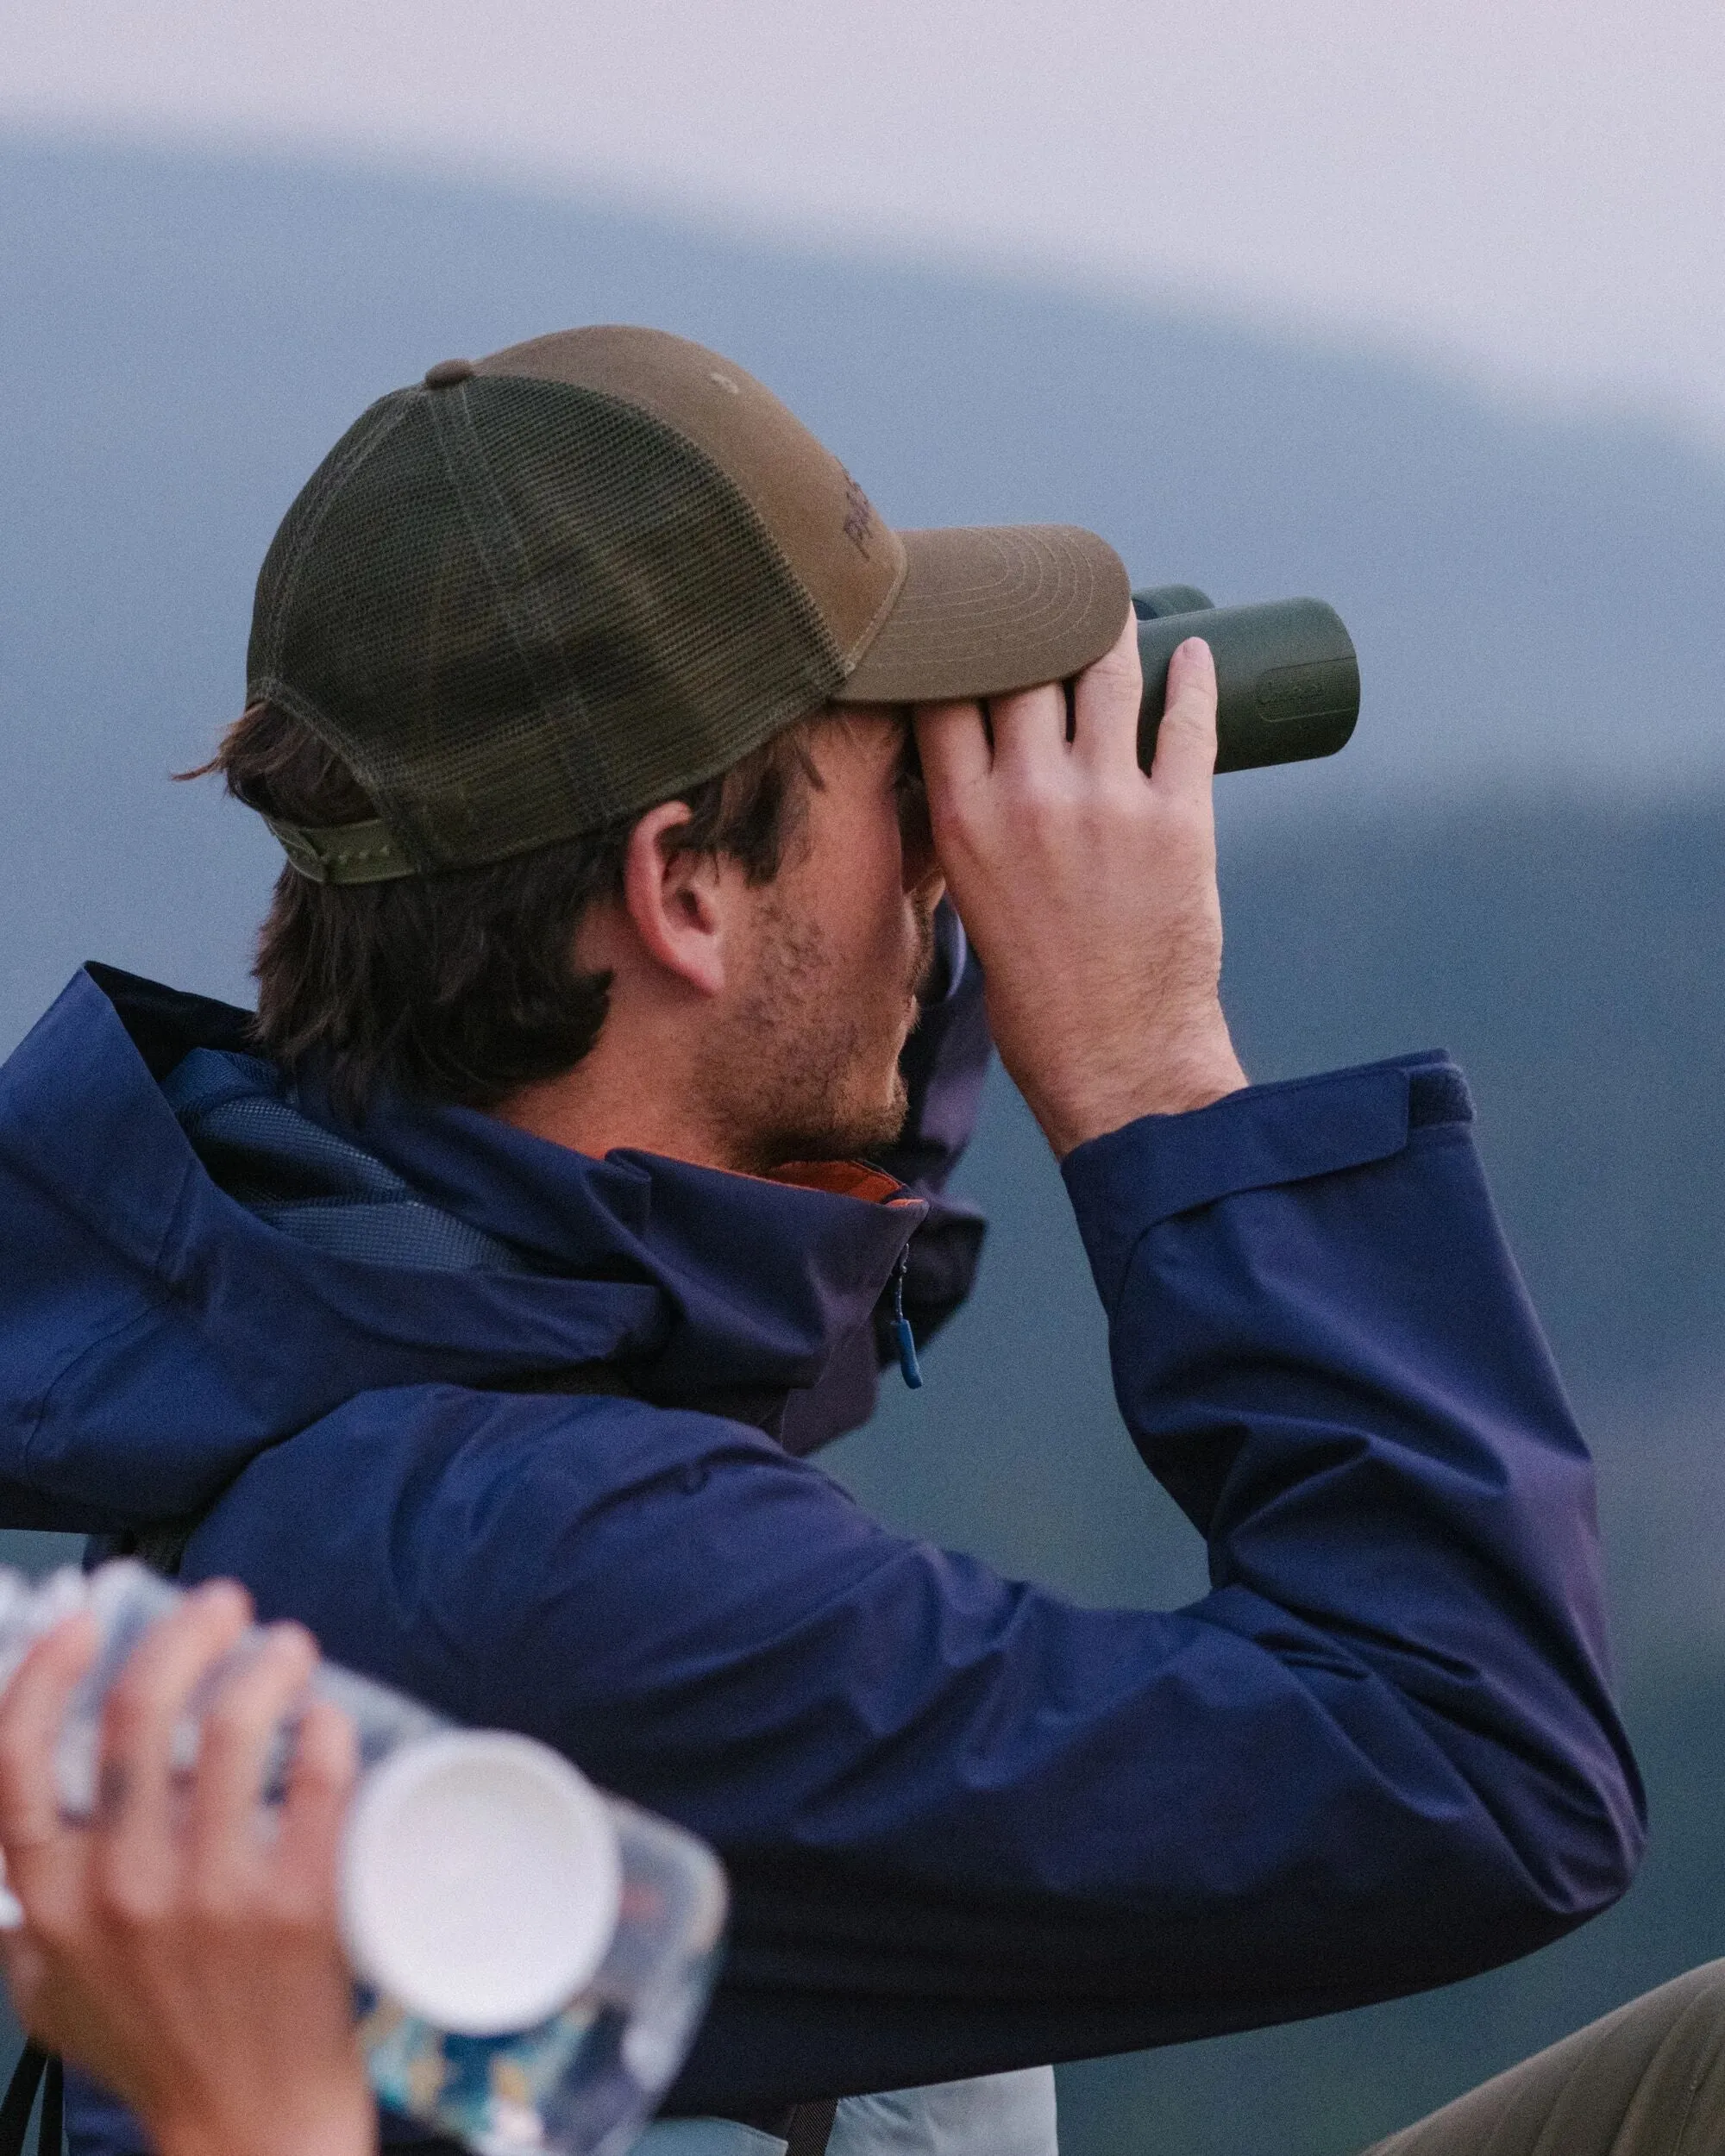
(1648,2080)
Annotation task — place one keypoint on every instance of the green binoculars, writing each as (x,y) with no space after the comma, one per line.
(1287,674)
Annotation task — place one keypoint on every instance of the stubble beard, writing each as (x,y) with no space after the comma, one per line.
(798,1075)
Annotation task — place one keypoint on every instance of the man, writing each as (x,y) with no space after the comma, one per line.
(475,1303)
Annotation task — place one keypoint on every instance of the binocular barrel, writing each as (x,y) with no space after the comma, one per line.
(1287,674)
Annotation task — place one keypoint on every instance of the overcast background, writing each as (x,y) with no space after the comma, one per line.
(1416,308)
(1526,189)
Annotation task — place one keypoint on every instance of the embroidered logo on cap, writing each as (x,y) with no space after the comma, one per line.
(859,517)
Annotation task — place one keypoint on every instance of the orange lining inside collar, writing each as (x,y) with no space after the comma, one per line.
(843,1179)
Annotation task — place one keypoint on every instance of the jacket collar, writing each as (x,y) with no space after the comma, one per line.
(700,1284)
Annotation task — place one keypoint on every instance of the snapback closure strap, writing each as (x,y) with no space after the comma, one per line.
(345,853)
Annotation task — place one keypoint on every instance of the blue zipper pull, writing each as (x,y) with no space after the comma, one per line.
(908,1365)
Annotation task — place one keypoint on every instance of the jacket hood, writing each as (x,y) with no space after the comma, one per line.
(197,1259)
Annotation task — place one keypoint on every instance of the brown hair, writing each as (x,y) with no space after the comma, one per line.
(460,985)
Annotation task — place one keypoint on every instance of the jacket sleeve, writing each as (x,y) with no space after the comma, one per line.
(970,1825)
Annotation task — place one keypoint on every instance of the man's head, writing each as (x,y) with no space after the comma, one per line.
(750,949)
(596,604)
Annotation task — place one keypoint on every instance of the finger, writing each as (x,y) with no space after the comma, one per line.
(238,1732)
(26,1967)
(325,1768)
(1105,701)
(952,743)
(1186,745)
(31,1713)
(143,1711)
(1030,731)
(954,738)
(238,1736)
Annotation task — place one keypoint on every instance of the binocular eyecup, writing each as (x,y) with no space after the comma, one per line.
(1287,674)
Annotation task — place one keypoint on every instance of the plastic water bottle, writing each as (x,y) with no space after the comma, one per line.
(531,1957)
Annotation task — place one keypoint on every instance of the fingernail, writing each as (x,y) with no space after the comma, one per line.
(222,1594)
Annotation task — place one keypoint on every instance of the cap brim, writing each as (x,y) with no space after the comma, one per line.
(990,608)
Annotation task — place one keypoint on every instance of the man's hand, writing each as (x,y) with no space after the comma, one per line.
(176,1946)
(1090,890)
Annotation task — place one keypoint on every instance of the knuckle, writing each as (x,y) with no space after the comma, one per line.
(1036,791)
(251,1698)
(216,1904)
(297,1914)
(230,1722)
(284,1654)
(132,1898)
(1190,711)
(1024,801)
(140,1696)
(58,1925)
(1117,667)
(320,1773)
(297,1644)
(1111,807)
(960,808)
(128,1704)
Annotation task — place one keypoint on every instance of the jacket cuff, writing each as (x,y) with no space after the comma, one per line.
(1127,1179)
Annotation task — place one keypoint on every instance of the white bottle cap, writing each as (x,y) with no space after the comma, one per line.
(480,1881)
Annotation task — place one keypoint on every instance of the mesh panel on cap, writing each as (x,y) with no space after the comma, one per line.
(522,608)
(297,530)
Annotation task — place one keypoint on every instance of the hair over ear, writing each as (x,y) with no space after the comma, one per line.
(460,985)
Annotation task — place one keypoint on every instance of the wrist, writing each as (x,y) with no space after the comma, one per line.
(350,2137)
(346,2126)
(1174,1084)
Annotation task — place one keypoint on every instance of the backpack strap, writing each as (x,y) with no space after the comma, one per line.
(811,2128)
(35,2069)
(51,2132)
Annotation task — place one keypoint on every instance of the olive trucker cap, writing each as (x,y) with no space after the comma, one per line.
(540,592)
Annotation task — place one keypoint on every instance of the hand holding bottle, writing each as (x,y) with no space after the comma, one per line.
(226,1854)
(186,1952)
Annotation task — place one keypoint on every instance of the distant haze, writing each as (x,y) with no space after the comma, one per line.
(1533,191)
(182,338)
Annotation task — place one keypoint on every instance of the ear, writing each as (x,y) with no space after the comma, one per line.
(680,904)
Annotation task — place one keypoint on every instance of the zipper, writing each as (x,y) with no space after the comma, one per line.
(909,1368)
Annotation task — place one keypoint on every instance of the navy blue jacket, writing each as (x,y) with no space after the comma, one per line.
(968,1825)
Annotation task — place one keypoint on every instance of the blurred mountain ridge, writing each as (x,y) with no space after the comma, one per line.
(183,335)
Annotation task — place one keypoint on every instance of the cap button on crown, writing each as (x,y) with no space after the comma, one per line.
(448,372)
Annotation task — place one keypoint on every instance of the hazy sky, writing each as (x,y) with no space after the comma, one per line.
(1534,191)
